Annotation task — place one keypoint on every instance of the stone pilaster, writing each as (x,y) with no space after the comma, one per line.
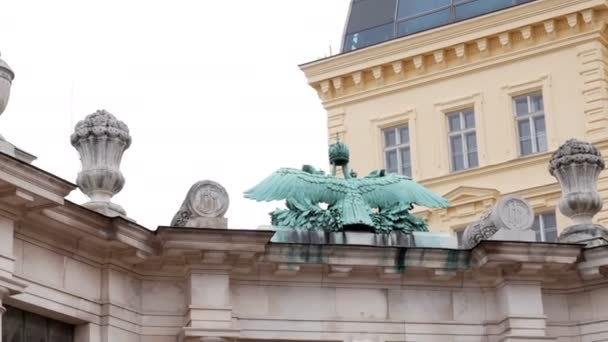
(209,316)
(7,240)
(521,306)
(593,67)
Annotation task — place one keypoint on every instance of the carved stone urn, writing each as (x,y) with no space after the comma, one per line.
(6,78)
(577,165)
(101,140)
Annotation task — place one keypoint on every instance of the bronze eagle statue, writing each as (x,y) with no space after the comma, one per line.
(379,201)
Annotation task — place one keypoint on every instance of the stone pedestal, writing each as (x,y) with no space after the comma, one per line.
(509,220)
(204,207)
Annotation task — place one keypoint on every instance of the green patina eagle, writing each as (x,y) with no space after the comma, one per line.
(379,201)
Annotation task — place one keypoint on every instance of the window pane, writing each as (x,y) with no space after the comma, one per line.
(457,153)
(550,227)
(366,14)
(456,144)
(525,139)
(405,156)
(479,7)
(521,105)
(537,102)
(541,135)
(549,221)
(408,8)
(12,325)
(391,162)
(406,162)
(536,228)
(454,122)
(368,37)
(551,235)
(60,332)
(469,119)
(471,142)
(473,160)
(459,235)
(35,328)
(424,22)
(390,137)
(404,134)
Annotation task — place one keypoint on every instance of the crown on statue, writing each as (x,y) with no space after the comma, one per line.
(338,154)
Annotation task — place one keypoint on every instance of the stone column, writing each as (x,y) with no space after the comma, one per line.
(577,166)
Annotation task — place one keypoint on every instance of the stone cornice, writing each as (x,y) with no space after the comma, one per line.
(469,44)
(34,180)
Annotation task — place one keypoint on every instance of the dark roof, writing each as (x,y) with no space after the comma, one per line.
(371,22)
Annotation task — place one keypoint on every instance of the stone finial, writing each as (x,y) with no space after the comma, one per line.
(101,140)
(577,165)
(6,79)
(204,207)
(510,219)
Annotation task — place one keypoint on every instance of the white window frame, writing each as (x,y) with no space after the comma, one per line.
(530,116)
(463,134)
(397,147)
(541,225)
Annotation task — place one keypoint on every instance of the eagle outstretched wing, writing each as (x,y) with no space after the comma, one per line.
(392,189)
(299,187)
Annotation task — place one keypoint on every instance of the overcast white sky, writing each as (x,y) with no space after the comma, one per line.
(209,90)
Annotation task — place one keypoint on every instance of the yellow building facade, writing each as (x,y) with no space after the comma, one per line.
(473,110)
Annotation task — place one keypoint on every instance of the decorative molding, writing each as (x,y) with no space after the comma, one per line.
(389,119)
(337,83)
(534,84)
(588,16)
(357,79)
(566,22)
(482,45)
(418,62)
(526,32)
(549,26)
(572,20)
(463,68)
(439,57)
(324,86)
(504,39)
(461,51)
(398,68)
(378,74)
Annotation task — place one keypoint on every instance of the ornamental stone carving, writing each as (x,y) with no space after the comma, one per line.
(101,140)
(576,165)
(510,219)
(6,79)
(204,207)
